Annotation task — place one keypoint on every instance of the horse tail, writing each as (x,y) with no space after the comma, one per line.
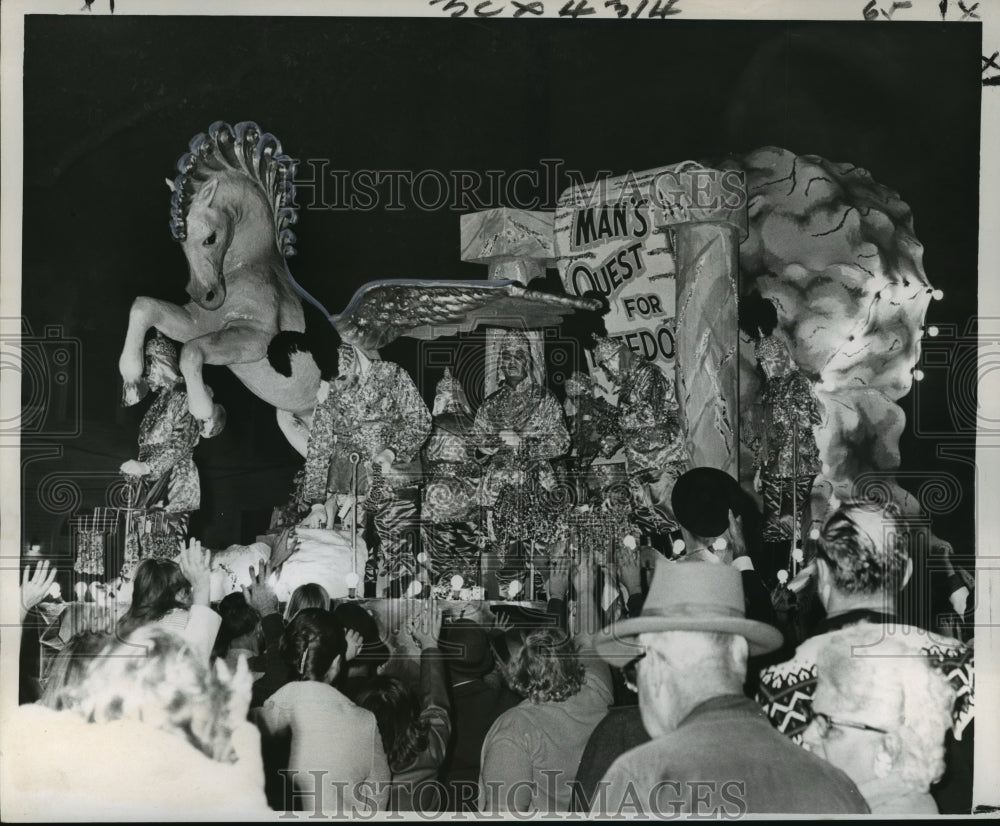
(281,347)
(320,340)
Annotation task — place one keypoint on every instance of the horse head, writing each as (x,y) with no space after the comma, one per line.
(232,206)
(209,235)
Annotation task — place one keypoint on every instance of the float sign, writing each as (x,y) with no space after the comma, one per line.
(610,238)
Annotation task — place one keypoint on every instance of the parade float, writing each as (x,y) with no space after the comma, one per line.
(761,315)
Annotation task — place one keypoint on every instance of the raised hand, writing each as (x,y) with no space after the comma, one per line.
(502,623)
(355,642)
(425,628)
(559,577)
(196,565)
(629,571)
(259,594)
(35,585)
(734,536)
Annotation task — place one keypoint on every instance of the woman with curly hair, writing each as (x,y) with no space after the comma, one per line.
(532,752)
(415,727)
(329,733)
(146,726)
(881,712)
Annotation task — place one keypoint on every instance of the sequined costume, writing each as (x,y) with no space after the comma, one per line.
(167,437)
(593,420)
(529,410)
(450,528)
(788,456)
(163,496)
(651,433)
(525,503)
(451,472)
(374,407)
(365,414)
(89,552)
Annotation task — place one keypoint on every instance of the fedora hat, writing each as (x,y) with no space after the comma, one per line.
(702,499)
(688,596)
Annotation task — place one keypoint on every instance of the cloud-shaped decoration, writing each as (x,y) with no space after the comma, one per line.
(836,252)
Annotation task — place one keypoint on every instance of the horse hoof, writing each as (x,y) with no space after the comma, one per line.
(214,425)
(202,413)
(134,392)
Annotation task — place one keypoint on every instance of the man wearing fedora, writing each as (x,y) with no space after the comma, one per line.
(713,752)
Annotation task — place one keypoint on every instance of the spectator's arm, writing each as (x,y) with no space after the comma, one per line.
(434,693)
(586,620)
(425,629)
(261,597)
(433,682)
(558,588)
(201,630)
(275,671)
(203,623)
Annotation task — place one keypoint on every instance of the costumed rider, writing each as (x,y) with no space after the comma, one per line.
(165,476)
(649,426)
(517,431)
(372,410)
(593,424)
(451,484)
(787,457)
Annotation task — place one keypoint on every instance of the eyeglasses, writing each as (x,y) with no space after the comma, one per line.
(824,724)
(630,672)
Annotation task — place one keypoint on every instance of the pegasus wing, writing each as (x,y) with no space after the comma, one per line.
(382,311)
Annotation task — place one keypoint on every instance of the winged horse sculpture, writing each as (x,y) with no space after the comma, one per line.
(232,208)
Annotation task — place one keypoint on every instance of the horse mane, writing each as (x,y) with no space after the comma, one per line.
(245,149)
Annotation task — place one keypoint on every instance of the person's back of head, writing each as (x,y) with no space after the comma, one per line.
(862,556)
(868,678)
(156,679)
(466,649)
(374,653)
(706,663)
(158,586)
(546,668)
(313,645)
(397,710)
(308,595)
(69,668)
(682,669)
(238,620)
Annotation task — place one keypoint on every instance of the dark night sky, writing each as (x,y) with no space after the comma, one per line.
(111,103)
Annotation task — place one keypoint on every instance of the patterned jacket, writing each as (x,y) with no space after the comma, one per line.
(786,689)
